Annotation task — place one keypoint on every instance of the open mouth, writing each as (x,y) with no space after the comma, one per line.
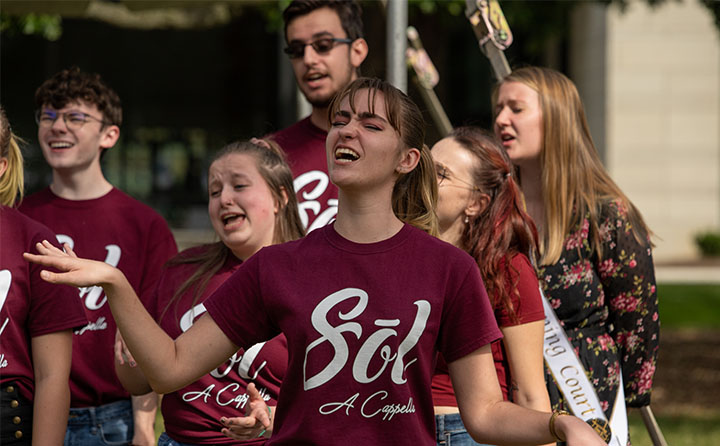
(314,78)
(506,138)
(60,145)
(345,154)
(229,219)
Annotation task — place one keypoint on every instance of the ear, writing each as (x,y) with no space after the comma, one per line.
(3,165)
(358,52)
(109,137)
(477,204)
(284,199)
(408,161)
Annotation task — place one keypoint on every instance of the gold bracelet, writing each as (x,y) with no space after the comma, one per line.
(551,424)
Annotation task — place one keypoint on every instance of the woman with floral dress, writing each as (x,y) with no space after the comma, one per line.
(595,261)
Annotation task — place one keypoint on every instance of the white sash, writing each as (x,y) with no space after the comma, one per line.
(570,377)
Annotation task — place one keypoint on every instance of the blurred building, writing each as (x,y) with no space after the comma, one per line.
(650,79)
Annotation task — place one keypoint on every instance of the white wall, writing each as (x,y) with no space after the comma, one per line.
(662,118)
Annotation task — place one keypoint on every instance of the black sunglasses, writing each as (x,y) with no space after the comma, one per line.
(322,45)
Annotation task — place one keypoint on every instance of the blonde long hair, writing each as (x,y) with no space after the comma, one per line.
(415,193)
(574,180)
(12,181)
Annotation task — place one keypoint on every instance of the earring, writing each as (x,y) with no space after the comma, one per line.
(467,219)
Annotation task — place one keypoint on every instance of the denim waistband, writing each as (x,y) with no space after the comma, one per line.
(99,414)
(450,422)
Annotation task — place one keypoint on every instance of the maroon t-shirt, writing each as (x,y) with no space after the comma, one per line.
(304,144)
(192,413)
(528,308)
(364,323)
(125,233)
(29,306)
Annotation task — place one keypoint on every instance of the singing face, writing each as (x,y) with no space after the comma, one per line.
(321,74)
(241,206)
(519,122)
(363,148)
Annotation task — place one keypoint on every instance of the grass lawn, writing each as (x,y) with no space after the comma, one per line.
(684,306)
(678,430)
(689,306)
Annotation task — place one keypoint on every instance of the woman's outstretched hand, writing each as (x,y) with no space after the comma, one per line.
(73,270)
(256,423)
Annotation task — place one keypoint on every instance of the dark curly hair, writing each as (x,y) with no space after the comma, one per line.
(72,85)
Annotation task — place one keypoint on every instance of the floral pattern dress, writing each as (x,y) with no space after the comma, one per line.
(608,307)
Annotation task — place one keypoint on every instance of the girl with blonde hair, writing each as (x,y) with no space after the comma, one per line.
(595,260)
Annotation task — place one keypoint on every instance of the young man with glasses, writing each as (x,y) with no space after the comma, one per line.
(326,48)
(78,118)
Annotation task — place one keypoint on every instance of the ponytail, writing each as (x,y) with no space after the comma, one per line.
(415,195)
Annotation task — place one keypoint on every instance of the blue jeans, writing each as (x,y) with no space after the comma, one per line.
(106,425)
(165,440)
(450,430)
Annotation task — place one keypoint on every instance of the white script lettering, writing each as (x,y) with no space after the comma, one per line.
(370,407)
(98,325)
(334,336)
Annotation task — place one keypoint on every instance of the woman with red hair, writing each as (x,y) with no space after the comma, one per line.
(480,211)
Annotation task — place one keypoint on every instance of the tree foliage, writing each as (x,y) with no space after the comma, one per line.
(48,26)
(548,19)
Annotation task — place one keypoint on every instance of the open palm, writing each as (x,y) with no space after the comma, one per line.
(73,270)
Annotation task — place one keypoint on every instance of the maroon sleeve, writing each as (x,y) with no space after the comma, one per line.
(237,306)
(52,307)
(528,305)
(468,320)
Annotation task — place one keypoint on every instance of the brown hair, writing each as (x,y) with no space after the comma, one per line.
(271,164)
(503,229)
(11,183)
(348,11)
(415,193)
(574,180)
(71,85)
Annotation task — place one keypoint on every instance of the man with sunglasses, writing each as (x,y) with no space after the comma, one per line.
(326,47)
(78,119)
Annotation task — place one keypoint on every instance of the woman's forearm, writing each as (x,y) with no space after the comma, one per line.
(490,420)
(152,348)
(51,401)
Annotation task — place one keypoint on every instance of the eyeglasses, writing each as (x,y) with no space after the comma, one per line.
(322,45)
(73,119)
(444,174)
